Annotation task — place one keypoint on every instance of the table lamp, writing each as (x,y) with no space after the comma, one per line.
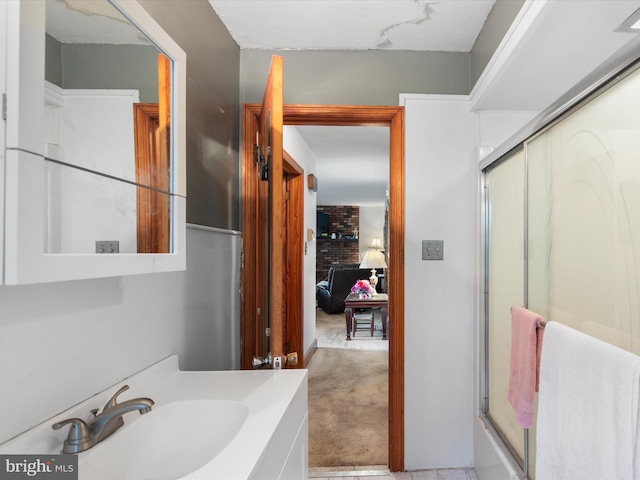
(373,259)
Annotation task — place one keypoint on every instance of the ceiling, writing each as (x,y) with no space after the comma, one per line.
(443,25)
(82,21)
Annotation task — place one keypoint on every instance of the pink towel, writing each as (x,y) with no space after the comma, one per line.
(526,345)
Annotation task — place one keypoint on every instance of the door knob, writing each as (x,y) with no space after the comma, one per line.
(258,362)
(291,358)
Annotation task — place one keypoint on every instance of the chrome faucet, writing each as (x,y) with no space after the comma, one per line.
(82,435)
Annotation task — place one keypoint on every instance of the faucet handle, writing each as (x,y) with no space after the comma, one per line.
(78,435)
(112,401)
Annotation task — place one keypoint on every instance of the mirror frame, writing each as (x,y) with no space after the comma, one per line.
(24,225)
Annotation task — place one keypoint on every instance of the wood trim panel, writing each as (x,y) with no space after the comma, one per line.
(294,265)
(152,168)
(395,286)
(248,294)
(290,165)
(294,255)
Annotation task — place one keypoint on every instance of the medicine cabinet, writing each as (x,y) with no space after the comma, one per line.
(94,153)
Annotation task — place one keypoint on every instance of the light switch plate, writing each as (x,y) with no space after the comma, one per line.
(107,246)
(433,249)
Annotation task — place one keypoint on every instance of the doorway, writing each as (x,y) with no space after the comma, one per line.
(348,380)
(345,115)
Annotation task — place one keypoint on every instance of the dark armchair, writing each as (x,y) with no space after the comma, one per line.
(331,293)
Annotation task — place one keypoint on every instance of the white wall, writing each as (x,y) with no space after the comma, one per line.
(440,182)
(298,149)
(443,139)
(75,121)
(371,226)
(61,343)
(111,215)
(494,127)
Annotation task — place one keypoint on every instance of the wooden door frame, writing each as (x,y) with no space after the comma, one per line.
(340,115)
(153,222)
(293,245)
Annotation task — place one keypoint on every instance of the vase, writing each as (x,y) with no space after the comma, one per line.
(364,295)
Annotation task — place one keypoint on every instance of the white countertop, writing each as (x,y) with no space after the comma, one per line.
(267,394)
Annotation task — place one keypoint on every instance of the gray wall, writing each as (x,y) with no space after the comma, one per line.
(372,77)
(53,61)
(213,112)
(498,22)
(103,66)
(112,66)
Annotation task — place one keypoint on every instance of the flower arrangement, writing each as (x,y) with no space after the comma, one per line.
(363,287)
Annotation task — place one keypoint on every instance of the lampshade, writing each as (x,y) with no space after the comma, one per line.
(373,259)
(376,243)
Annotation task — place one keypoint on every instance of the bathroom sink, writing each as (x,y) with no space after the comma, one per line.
(213,425)
(170,442)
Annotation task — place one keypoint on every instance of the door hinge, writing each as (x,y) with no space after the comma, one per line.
(4,106)
(261,162)
(267,332)
(287,195)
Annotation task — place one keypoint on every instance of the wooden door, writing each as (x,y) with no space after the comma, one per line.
(272,235)
(269,229)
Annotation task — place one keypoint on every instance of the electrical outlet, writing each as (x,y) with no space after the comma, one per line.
(433,249)
(107,246)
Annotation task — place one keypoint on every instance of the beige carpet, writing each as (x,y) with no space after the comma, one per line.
(331,332)
(348,404)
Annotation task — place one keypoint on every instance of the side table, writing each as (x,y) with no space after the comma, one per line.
(353,301)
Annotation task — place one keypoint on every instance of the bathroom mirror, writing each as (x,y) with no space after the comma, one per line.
(101,65)
(107,85)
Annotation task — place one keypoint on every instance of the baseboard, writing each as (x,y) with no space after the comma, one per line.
(327,472)
(310,352)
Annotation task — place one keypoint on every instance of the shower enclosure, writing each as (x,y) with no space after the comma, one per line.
(561,236)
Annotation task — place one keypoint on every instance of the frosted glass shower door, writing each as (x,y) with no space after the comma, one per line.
(584,218)
(505,276)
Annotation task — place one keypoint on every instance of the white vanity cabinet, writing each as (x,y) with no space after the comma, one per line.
(37,197)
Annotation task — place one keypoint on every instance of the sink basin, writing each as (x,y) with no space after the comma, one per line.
(167,443)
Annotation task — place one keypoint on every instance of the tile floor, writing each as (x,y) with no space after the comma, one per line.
(440,474)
